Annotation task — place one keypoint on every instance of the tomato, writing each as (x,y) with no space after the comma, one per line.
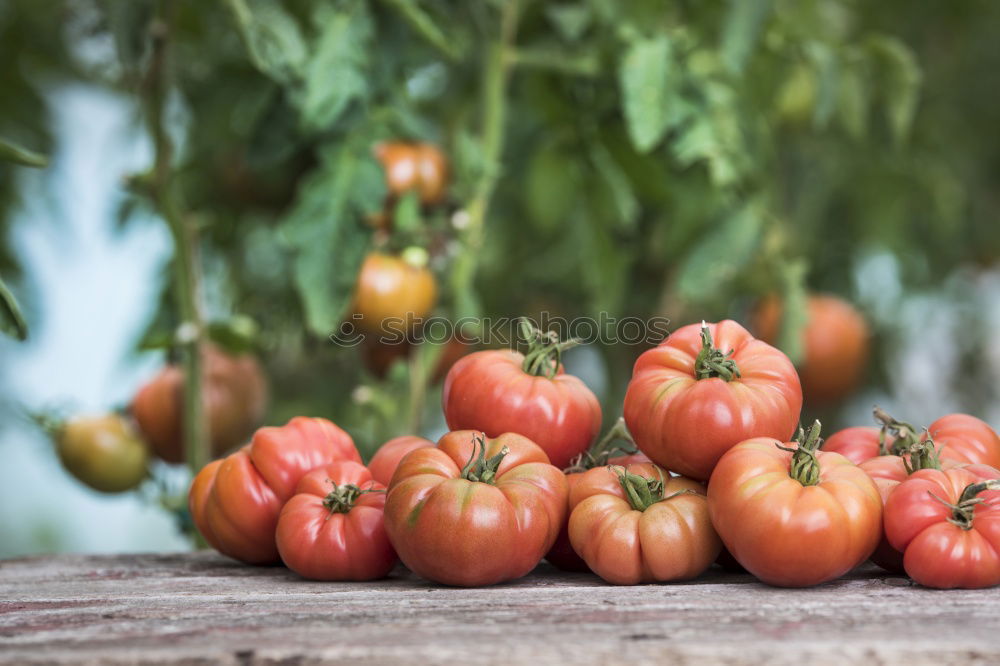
(333,526)
(637,524)
(958,437)
(798,518)
(392,294)
(235,501)
(104,452)
(689,402)
(234,395)
(615,448)
(947,525)
(836,341)
(385,461)
(498,391)
(414,166)
(475,511)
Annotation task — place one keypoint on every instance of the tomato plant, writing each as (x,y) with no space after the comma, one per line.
(418,167)
(498,391)
(835,340)
(637,524)
(234,394)
(391,294)
(104,452)
(385,461)
(333,527)
(947,525)
(475,511)
(791,515)
(615,448)
(689,401)
(235,501)
(958,437)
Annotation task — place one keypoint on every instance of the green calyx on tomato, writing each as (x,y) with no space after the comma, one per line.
(643,492)
(712,362)
(918,451)
(544,357)
(616,442)
(964,510)
(804,467)
(342,498)
(481,469)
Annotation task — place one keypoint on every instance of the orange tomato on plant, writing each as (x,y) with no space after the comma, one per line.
(392,294)
(103,452)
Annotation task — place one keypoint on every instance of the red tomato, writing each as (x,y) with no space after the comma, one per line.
(957,437)
(383,464)
(475,511)
(947,524)
(333,527)
(500,391)
(689,402)
(835,340)
(235,501)
(414,166)
(794,519)
(637,524)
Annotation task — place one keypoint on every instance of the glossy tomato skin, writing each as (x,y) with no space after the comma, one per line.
(686,424)
(319,544)
(235,397)
(937,553)
(385,461)
(836,342)
(451,530)
(235,501)
(420,167)
(489,391)
(103,452)
(391,295)
(787,534)
(958,437)
(562,554)
(670,540)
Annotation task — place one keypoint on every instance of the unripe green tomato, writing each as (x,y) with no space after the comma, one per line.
(103,452)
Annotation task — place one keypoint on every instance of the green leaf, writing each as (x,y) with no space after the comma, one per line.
(11,152)
(553,187)
(237,335)
(11,320)
(853,101)
(425,26)
(742,28)
(325,230)
(901,78)
(406,216)
(646,77)
(336,73)
(570,21)
(618,184)
(828,75)
(720,256)
(272,38)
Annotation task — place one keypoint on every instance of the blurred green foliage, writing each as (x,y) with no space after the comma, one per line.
(656,158)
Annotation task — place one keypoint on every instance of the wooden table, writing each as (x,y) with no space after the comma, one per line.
(201,607)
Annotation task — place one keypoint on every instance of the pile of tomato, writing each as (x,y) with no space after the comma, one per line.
(708,464)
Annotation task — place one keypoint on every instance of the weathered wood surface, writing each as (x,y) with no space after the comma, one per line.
(203,608)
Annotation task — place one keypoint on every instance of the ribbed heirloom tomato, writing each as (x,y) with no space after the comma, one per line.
(947,524)
(791,515)
(500,391)
(235,501)
(637,524)
(475,511)
(959,437)
(333,527)
(615,448)
(385,461)
(689,402)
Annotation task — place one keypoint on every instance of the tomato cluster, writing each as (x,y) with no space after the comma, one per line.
(708,463)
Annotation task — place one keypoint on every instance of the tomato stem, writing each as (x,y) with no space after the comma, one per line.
(605,448)
(905,435)
(544,356)
(343,497)
(804,466)
(711,362)
(481,469)
(964,510)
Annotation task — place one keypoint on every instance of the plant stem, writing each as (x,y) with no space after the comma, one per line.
(190,332)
